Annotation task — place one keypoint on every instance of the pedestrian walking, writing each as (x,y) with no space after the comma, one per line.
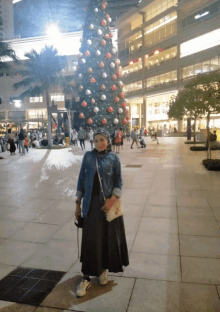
(26,143)
(113,137)
(145,132)
(82,136)
(91,137)
(21,141)
(104,245)
(134,137)
(128,135)
(118,140)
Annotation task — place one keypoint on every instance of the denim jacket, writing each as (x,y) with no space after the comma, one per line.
(110,173)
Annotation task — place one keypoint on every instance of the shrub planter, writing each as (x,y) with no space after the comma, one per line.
(52,147)
(202,148)
(212,164)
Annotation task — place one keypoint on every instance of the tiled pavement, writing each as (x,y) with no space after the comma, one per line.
(172,217)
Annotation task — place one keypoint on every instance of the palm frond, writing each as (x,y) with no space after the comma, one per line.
(27,82)
(36,91)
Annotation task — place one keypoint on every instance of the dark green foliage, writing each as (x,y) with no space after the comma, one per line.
(212,164)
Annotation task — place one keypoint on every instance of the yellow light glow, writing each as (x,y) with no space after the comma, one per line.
(156,52)
(130,63)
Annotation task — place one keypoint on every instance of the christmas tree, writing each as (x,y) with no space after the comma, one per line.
(100,101)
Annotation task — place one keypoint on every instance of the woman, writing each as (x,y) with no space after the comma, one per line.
(118,140)
(74,137)
(11,142)
(104,244)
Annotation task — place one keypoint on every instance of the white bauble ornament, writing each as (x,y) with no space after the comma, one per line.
(117,61)
(91,26)
(104,75)
(80,54)
(89,70)
(115,121)
(112,65)
(96,10)
(96,109)
(74,68)
(83,61)
(98,52)
(77,99)
(120,110)
(89,42)
(103,97)
(99,32)
(114,51)
(88,92)
(80,76)
(80,88)
(120,83)
(109,20)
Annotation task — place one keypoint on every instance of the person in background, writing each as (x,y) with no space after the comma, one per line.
(134,137)
(44,142)
(104,245)
(82,136)
(122,138)
(21,141)
(91,137)
(67,137)
(145,132)
(142,142)
(113,137)
(26,142)
(118,140)
(128,135)
(74,137)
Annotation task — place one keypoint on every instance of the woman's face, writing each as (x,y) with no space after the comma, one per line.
(100,142)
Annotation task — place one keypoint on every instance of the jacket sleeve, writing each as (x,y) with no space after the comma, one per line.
(117,190)
(80,185)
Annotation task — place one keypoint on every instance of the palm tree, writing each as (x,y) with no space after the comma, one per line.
(6,53)
(42,72)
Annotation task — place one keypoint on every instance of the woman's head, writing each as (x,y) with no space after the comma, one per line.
(102,140)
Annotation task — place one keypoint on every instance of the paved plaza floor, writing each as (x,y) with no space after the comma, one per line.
(172,217)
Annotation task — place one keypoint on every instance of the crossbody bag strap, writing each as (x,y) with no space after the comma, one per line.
(100,178)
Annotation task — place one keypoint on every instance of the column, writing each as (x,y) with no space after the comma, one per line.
(140,114)
(180,125)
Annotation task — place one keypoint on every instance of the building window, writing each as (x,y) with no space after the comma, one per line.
(133,87)
(200,43)
(36,99)
(162,79)
(57,97)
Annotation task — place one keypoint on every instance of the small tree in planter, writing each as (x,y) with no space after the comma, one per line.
(206,87)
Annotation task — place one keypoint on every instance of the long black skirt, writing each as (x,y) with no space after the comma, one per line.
(104,245)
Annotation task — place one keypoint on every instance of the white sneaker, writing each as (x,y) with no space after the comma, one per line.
(103,278)
(82,288)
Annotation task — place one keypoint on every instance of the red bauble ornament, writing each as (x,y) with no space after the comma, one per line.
(103,22)
(114,77)
(107,36)
(108,55)
(110,109)
(125,121)
(89,121)
(119,74)
(84,103)
(93,101)
(104,121)
(127,117)
(87,53)
(103,87)
(103,42)
(123,105)
(121,95)
(113,87)
(116,99)
(107,16)
(111,35)
(81,115)
(103,6)
(92,80)
(101,64)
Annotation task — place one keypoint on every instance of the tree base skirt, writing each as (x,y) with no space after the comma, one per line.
(212,164)
(202,148)
(192,142)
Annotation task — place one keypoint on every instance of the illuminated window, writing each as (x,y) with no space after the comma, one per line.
(200,43)
(57,97)
(36,99)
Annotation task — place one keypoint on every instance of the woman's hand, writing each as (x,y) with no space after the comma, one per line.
(78,211)
(109,203)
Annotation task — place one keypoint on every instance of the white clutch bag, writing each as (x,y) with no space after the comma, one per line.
(116,210)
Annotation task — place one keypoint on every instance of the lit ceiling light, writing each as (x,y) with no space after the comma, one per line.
(201,15)
(146,56)
(17,103)
(131,62)
(156,52)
